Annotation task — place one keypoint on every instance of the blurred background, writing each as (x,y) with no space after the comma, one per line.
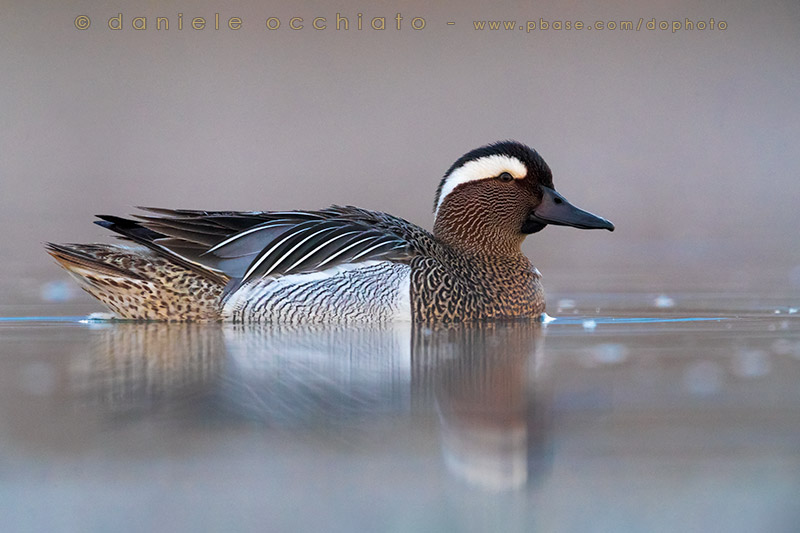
(687,141)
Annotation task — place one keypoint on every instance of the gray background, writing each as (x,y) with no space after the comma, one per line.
(687,141)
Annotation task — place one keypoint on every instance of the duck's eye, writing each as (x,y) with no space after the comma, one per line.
(505,176)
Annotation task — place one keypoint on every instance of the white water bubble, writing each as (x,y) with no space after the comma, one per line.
(100,316)
(703,378)
(751,364)
(662,301)
(609,353)
(782,347)
(565,304)
(57,291)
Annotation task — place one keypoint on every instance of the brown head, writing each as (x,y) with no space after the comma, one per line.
(494,196)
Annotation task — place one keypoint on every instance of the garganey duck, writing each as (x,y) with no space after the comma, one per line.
(340,264)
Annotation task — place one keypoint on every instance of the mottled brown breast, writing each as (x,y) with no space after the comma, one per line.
(451,287)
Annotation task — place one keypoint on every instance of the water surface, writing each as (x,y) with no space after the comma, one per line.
(629,412)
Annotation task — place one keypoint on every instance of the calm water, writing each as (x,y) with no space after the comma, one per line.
(627,413)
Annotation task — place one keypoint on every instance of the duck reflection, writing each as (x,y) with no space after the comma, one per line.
(316,374)
(137,366)
(485,383)
(491,396)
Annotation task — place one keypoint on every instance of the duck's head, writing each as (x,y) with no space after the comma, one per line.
(494,196)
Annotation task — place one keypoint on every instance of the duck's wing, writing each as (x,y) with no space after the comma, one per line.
(252,245)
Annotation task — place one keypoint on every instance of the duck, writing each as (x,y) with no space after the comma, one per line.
(340,264)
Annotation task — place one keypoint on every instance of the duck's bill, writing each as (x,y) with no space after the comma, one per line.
(556,210)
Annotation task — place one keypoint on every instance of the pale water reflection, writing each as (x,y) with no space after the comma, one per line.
(667,423)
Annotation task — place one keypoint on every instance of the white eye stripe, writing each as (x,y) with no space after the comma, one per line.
(483,168)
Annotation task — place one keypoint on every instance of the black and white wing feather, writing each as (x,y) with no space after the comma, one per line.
(314,245)
(246,246)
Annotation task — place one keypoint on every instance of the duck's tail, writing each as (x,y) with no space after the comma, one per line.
(137,283)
